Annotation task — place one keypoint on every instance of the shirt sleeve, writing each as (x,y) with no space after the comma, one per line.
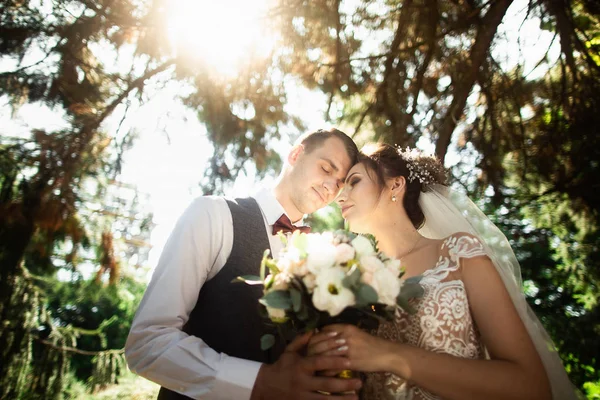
(156,347)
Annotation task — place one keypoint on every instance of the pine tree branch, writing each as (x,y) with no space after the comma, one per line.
(78,351)
(417,84)
(338,51)
(463,86)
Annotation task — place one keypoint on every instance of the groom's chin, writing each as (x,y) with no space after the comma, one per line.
(313,206)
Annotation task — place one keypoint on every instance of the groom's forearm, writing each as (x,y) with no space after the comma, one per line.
(186,365)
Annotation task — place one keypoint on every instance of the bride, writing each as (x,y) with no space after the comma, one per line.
(473,334)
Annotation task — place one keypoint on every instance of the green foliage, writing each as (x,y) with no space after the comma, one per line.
(551,292)
(87,305)
(277,299)
(592,390)
(326,219)
(70,336)
(130,387)
(19,325)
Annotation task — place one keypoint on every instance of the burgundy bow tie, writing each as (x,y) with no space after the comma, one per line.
(284,225)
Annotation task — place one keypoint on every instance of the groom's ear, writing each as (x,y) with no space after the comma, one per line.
(295,153)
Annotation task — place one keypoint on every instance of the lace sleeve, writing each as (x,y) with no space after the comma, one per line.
(463,245)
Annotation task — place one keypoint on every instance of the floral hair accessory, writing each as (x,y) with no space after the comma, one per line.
(426,169)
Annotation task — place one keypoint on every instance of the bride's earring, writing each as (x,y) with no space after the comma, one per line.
(394,198)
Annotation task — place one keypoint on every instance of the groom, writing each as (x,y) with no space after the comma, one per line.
(196,333)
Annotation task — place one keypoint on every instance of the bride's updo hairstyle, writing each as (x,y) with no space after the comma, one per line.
(419,170)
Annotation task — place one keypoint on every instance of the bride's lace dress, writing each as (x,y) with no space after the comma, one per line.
(442,323)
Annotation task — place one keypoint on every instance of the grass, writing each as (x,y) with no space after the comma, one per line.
(130,387)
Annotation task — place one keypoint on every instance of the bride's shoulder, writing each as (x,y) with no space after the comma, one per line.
(462,244)
(461,236)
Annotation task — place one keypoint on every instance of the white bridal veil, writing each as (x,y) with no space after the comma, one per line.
(448,211)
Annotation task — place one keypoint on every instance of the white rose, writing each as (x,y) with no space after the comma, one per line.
(367,277)
(387,285)
(393,266)
(293,254)
(363,246)
(321,253)
(330,295)
(299,268)
(285,265)
(344,253)
(292,262)
(282,281)
(370,264)
(276,314)
(310,281)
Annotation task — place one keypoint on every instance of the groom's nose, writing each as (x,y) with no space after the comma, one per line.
(331,189)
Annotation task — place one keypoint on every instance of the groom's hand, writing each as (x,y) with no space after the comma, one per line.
(293,376)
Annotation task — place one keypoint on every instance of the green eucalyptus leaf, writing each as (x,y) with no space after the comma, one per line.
(403,303)
(302,315)
(277,299)
(410,290)
(352,278)
(267,341)
(296,298)
(414,279)
(365,295)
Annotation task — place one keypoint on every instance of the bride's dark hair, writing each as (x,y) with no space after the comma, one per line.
(387,161)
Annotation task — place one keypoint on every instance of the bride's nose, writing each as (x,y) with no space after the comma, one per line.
(342,196)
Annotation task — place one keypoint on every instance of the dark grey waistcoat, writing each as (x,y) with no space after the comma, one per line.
(226,315)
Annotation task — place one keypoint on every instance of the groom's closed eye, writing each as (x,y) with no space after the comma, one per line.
(329,170)
(329,166)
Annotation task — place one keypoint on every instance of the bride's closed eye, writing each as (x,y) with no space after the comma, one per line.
(353,181)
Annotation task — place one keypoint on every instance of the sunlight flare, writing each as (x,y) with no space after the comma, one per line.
(221,35)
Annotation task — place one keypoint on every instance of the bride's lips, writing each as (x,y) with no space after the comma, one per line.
(345,208)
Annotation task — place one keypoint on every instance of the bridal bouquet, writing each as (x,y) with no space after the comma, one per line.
(331,277)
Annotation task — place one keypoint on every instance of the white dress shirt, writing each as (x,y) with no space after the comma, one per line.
(156,347)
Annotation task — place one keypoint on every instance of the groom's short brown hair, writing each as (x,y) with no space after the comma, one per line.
(314,139)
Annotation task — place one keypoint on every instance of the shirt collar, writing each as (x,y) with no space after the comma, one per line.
(270,206)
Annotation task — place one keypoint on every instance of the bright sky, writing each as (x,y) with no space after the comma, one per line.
(170,170)
(169,157)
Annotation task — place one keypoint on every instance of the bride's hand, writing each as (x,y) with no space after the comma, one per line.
(367,353)
(327,343)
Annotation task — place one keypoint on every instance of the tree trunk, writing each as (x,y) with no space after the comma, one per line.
(13,242)
(463,86)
